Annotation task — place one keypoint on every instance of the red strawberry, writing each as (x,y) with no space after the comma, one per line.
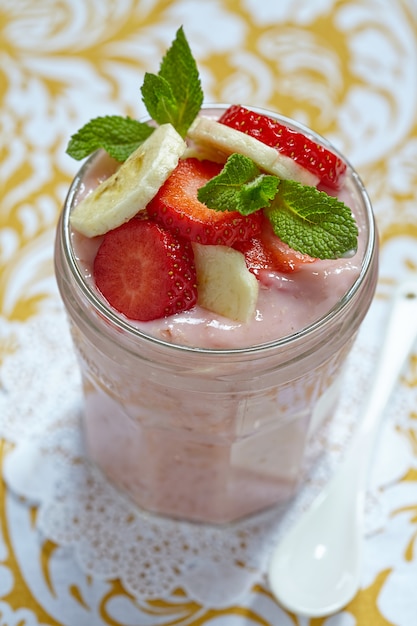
(145,272)
(269,252)
(328,167)
(177,208)
(256,255)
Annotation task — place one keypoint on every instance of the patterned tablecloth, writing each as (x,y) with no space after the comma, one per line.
(348,69)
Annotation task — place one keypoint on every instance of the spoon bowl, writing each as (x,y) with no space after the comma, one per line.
(315,570)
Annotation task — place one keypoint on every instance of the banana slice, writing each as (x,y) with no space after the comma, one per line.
(211,133)
(224,283)
(117,199)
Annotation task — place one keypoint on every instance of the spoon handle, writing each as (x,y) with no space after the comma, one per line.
(315,570)
(400,335)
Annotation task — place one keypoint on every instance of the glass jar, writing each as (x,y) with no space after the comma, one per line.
(201,434)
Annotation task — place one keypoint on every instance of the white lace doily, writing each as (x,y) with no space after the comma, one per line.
(41,411)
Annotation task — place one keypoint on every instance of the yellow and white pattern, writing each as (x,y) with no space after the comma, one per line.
(345,68)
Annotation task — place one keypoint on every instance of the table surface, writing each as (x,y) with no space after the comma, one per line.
(346,69)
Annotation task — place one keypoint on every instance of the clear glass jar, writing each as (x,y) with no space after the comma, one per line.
(200,434)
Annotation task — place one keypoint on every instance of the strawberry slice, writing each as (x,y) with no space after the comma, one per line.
(145,272)
(177,208)
(328,167)
(269,252)
(257,256)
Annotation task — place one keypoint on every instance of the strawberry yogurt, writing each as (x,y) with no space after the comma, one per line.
(287,302)
(195,415)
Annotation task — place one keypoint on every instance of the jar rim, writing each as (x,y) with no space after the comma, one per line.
(123,325)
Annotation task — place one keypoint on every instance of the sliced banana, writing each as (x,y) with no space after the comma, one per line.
(117,199)
(224,283)
(207,131)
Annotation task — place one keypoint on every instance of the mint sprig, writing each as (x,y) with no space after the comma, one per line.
(240,186)
(119,136)
(173,95)
(307,219)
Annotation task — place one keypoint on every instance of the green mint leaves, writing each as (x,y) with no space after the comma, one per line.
(312,222)
(240,186)
(308,220)
(173,95)
(119,136)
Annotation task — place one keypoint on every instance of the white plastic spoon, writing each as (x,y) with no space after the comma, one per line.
(315,570)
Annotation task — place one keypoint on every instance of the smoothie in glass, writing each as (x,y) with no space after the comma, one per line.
(195,414)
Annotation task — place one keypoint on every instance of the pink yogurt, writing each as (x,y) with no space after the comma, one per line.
(200,417)
(286,303)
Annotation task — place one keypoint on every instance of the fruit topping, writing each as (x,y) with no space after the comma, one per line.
(132,186)
(145,272)
(177,229)
(225,285)
(269,252)
(323,163)
(257,257)
(178,209)
(211,133)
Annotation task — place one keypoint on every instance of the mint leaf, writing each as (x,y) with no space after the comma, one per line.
(174,95)
(161,103)
(240,186)
(118,135)
(308,220)
(311,221)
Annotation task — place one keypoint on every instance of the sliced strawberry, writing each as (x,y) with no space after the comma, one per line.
(177,208)
(145,272)
(256,255)
(284,258)
(328,167)
(269,252)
